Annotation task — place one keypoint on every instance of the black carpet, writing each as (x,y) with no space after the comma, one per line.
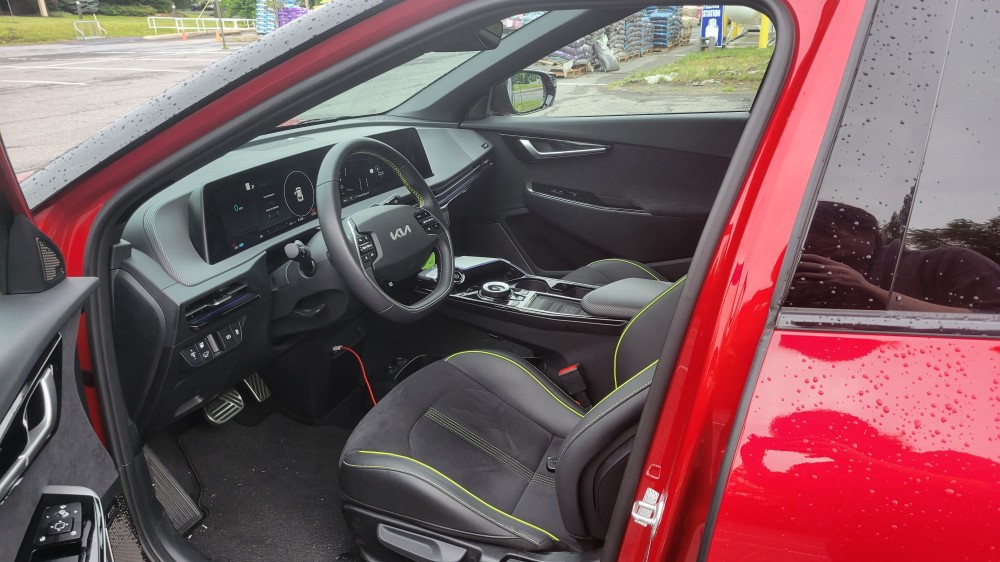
(270,490)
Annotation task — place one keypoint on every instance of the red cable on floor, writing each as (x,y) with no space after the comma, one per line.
(363,373)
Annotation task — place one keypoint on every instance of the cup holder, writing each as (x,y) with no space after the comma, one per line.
(552,286)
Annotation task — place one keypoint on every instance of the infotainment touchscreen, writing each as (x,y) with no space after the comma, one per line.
(247,208)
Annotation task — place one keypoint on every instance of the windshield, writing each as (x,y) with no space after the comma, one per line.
(393,87)
(387,90)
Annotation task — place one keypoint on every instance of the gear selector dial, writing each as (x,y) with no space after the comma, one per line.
(495,290)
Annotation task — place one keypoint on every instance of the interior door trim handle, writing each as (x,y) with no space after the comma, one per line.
(581,149)
(43,388)
(40,433)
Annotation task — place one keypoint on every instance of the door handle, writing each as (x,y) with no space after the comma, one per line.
(573,149)
(41,431)
(37,432)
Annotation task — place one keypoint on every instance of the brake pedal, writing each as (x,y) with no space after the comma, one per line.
(258,388)
(224,407)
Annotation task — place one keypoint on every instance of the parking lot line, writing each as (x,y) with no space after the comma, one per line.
(97,68)
(43,82)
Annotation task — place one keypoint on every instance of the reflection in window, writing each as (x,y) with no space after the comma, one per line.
(910,163)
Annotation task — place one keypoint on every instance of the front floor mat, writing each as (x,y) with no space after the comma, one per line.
(271,491)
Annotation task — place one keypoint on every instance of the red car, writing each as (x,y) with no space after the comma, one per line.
(356,292)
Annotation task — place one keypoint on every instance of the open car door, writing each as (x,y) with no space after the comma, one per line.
(56,478)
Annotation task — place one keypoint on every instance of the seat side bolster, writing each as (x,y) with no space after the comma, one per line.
(607,420)
(523,387)
(407,488)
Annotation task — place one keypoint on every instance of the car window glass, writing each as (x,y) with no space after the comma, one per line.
(387,90)
(904,215)
(663,59)
(952,242)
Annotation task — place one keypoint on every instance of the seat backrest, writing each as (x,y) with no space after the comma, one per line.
(592,458)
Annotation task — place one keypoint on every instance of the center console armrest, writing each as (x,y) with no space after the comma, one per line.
(623,299)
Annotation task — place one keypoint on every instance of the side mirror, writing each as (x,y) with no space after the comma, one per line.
(526,92)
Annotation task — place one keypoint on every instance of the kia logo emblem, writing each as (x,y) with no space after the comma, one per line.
(400,232)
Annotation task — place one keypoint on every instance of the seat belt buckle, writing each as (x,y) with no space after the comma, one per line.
(572,382)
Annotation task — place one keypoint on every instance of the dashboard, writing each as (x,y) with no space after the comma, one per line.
(261,203)
(202,261)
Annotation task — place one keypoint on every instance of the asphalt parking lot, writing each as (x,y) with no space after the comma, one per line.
(52,97)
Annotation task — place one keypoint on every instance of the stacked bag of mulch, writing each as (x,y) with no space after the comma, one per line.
(634,29)
(266,20)
(514,23)
(287,14)
(616,37)
(578,52)
(667,27)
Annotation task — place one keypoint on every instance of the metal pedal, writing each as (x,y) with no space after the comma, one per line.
(224,407)
(258,388)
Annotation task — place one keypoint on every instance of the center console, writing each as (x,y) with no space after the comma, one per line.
(497,288)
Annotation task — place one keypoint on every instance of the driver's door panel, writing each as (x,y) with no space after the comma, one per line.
(653,179)
(47,437)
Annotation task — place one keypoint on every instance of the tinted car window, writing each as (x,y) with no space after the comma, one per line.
(907,217)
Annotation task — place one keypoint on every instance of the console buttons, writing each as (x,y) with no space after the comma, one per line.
(237,331)
(228,338)
(60,524)
(204,351)
(191,355)
(216,348)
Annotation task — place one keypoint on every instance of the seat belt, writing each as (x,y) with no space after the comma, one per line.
(571,381)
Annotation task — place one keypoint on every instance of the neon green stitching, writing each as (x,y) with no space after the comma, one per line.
(632,321)
(624,383)
(483,445)
(545,388)
(630,262)
(598,417)
(435,471)
(420,200)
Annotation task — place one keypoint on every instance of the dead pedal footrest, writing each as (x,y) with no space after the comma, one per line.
(180,508)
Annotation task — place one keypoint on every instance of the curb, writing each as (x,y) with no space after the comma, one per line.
(200,34)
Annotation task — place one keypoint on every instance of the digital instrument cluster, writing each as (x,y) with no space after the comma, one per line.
(245,209)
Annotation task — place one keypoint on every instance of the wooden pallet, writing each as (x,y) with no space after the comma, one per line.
(571,73)
(622,57)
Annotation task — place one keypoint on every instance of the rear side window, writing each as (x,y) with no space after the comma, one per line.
(908,215)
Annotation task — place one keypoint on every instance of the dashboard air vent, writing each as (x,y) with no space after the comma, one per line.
(214,306)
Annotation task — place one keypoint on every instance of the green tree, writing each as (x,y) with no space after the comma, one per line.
(982,237)
(240,8)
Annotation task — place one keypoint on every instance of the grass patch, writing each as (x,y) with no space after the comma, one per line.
(27,30)
(732,70)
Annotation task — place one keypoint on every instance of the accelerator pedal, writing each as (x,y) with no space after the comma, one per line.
(258,388)
(181,510)
(224,407)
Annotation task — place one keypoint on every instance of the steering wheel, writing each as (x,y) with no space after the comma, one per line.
(384,242)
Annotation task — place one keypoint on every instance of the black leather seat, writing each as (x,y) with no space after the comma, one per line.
(463,449)
(603,272)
